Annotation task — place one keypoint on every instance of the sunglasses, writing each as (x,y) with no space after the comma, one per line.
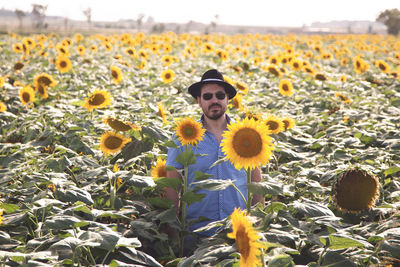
(218,95)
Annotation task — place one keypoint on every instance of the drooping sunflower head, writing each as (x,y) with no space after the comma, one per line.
(285,87)
(44,79)
(98,99)
(168,76)
(159,170)
(246,239)
(18,66)
(274,70)
(42,90)
(288,123)
(242,87)
(26,95)
(111,143)
(119,125)
(236,102)
(356,190)
(247,144)
(189,131)
(274,124)
(63,64)
(320,76)
(161,112)
(116,74)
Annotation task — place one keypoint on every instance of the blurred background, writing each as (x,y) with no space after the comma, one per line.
(207,16)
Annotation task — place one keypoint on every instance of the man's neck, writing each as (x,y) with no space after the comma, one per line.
(215,125)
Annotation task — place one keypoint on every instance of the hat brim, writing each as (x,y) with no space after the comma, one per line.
(195,89)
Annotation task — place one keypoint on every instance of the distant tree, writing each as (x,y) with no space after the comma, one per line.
(39,13)
(139,21)
(88,15)
(20,15)
(391,18)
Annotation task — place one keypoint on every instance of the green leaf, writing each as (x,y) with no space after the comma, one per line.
(9,208)
(61,222)
(281,261)
(191,197)
(265,188)
(74,194)
(391,170)
(212,184)
(168,182)
(186,157)
(335,242)
(198,176)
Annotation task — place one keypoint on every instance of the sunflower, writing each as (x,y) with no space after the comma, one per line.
(161,112)
(98,99)
(274,124)
(168,76)
(63,64)
(247,144)
(343,78)
(189,131)
(62,50)
(246,239)
(285,87)
(111,143)
(288,123)
(166,60)
(243,88)
(344,61)
(19,66)
(207,48)
(18,48)
(119,125)
(274,70)
(1,82)
(116,74)
(159,170)
(356,190)
(383,66)
(130,51)
(42,90)
(44,79)
(81,50)
(93,48)
(26,95)
(320,76)
(142,64)
(309,70)
(3,107)
(273,60)
(296,64)
(342,97)
(143,54)
(237,102)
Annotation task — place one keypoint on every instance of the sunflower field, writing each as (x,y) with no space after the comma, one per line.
(86,122)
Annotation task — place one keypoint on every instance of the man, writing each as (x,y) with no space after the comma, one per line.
(212,94)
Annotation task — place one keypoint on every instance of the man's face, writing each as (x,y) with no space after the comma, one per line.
(214,107)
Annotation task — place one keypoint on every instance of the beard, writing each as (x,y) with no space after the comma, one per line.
(214,114)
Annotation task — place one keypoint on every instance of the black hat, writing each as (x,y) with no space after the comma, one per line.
(212,76)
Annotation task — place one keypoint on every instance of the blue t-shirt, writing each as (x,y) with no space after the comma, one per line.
(216,205)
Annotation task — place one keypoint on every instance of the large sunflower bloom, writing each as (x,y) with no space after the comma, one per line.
(168,76)
(116,74)
(247,144)
(189,131)
(63,64)
(27,95)
(285,87)
(111,143)
(159,170)
(246,239)
(98,99)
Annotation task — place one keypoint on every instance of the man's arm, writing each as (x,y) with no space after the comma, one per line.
(255,178)
(170,193)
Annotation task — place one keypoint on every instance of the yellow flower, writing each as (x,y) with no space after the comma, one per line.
(236,102)
(3,107)
(288,122)
(296,64)
(166,60)
(98,99)
(168,76)
(18,48)
(189,131)
(1,82)
(161,112)
(207,48)
(247,144)
(81,50)
(320,76)
(1,217)
(26,95)
(44,79)
(116,74)
(342,97)
(42,90)
(119,125)
(18,66)
(246,239)
(285,87)
(111,143)
(343,78)
(383,66)
(274,124)
(63,64)
(159,170)
(130,51)
(274,70)
(241,87)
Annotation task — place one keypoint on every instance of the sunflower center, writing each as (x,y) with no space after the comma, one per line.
(44,80)
(167,76)
(41,89)
(243,242)
(114,74)
(272,125)
(162,172)
(189,132)
(63,64)
(26,97)
(285,87)
(113,142)
(97,99)
(247,143)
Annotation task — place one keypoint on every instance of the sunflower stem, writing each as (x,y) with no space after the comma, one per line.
(249,195)
(240,192)
(183,212)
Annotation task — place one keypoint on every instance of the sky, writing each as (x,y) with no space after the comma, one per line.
(287,13)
